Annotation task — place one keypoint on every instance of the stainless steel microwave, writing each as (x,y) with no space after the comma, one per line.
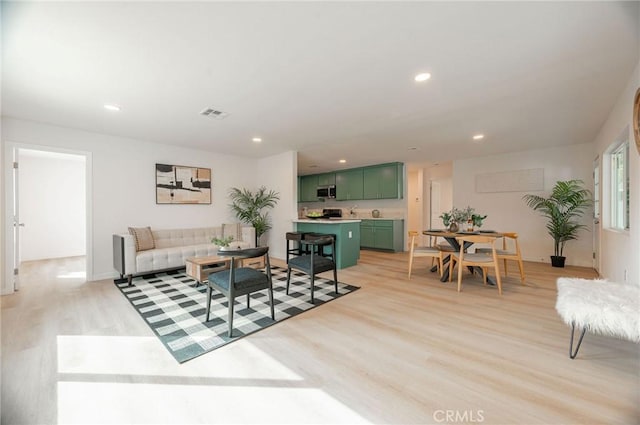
(326,191)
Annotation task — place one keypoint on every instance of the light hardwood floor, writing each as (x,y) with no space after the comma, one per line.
(395,351)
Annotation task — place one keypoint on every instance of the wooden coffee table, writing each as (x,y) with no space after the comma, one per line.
(199,268)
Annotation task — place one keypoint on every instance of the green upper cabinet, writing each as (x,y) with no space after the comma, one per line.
(307,188)
(326,179)
(349,184)
(383,181)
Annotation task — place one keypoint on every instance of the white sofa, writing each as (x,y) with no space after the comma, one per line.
(172,248)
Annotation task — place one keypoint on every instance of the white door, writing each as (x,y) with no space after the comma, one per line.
(17,225)
(441,201)
(435,204)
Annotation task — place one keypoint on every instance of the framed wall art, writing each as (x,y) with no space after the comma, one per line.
(178,184)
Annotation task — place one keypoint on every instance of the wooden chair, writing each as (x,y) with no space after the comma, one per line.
(423,251)
(505,253)
(482,260)
(238,281)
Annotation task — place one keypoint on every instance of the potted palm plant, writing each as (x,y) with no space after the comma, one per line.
(563,208)
(248,207)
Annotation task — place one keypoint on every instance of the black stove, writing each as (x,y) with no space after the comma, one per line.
(334,213)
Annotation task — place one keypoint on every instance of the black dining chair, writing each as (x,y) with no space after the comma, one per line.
(238,280)
(317,261)
(293,243)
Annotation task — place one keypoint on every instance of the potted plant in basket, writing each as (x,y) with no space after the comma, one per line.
(563,208)
(248,207)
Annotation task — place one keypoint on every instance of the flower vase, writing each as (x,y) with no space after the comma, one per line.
(469,226)
(453,227)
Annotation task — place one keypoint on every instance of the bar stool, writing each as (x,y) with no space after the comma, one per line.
(294,238)
(318,249)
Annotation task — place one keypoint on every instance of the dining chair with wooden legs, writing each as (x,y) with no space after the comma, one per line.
(484,261)
(507,254)
(423,251)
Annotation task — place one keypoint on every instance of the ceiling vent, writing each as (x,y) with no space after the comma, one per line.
(213,113)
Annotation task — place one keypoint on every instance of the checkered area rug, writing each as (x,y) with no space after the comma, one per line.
(175,308)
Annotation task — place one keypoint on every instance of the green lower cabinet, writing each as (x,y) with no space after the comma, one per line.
(347,240)
(382,234)
(366,235)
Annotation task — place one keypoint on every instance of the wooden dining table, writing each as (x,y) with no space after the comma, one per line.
(450,237)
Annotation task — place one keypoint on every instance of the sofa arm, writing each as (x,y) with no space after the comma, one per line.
(124,254)
(249,235)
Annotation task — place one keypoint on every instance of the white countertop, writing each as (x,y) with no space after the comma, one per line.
(326,220)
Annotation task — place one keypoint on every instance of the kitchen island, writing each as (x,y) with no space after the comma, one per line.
(346,232)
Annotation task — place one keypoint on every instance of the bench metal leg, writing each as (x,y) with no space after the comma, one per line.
(573,354)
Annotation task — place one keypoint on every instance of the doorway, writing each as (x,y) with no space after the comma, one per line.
(47,209)
(441,200)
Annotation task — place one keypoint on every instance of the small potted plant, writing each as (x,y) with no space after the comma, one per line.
(477,219)
(224,244)
(446,219)
(452,219)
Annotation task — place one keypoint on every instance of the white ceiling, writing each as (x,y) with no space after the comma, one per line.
(330,80)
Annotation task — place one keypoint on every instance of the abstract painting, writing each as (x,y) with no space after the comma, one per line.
(177,184)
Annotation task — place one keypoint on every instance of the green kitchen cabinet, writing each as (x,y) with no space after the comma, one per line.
(383,181)
(349,184)
(326,179)
(308,186)
(382,234)
(367,239)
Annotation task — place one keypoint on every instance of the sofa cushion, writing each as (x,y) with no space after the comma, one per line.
(143,237)
(167,238)
(232,229)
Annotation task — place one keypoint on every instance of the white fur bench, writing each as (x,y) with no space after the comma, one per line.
(599,306)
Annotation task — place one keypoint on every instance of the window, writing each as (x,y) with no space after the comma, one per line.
(620,186)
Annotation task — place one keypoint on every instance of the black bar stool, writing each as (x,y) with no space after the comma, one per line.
(318,249)
(294,238)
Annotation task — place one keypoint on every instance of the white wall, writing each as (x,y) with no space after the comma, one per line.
(123,182)
(279,173)
(620,251)
(506,211)
(52,205)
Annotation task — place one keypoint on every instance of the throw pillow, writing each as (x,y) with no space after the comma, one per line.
(143,237)
(232,229)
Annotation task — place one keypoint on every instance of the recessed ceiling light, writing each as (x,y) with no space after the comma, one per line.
(478,137)
(342,161)
(111,107)
(256,140)
(422,77)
